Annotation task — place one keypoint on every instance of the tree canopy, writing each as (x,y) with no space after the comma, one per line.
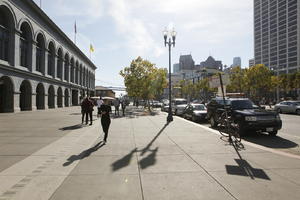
(143,80)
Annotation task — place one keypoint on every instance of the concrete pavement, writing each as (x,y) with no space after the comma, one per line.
(56,158)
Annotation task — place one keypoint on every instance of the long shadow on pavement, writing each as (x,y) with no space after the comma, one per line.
(244,168)
(83,154)
(73,127)
(145,162)
(272,142)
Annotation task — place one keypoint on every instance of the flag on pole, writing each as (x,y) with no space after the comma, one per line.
(75,32)
(75,28)
(91,48)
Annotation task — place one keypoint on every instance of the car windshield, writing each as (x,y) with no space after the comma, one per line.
(241,104)
(180,102)
(199,107)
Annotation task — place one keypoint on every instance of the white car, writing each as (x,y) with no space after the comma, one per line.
(178,106)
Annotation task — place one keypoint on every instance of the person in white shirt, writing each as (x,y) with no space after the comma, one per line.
(99,103)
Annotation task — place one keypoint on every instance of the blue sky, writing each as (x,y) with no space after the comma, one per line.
(121,30)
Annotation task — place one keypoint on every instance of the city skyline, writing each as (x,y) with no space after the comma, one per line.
(128,29)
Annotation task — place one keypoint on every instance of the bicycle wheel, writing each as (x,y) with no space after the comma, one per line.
(223,125)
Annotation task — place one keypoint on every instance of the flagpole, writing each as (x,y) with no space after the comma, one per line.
(75,32)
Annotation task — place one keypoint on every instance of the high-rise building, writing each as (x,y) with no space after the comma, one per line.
(276,34)
(236,62)
(251,62)
(186,62)
(176,68)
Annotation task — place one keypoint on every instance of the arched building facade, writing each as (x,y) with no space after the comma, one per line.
(40,67)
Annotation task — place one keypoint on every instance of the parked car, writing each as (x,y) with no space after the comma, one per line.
(288,107)
(245,115)
(165,107)
(178,106)
(156,104)
(195,112)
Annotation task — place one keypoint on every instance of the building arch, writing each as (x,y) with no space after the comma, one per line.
(72,70)
(51,97)
(67,67)
(7,34)
(25,96)
(40,96)
(67,97)
(26,38)
(40,52)
(59,97)
(80,74)
(51,59)
(59,65)
(6,94)
(76,71)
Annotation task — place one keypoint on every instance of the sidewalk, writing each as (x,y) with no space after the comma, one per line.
(147,159)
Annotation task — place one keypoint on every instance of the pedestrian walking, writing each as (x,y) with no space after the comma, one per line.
(117,106)
(99,103)
(87,108)
(123,106)
(105,109)
(90,110)
(82,111)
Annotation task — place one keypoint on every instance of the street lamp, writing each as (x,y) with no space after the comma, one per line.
(169,37)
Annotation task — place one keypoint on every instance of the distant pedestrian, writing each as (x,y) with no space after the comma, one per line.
(90,110)
(82,111)
(87,107)
(123,106)
(99,103)
(117,106)
(105,109)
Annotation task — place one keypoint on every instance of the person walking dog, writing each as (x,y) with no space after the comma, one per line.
(105,109)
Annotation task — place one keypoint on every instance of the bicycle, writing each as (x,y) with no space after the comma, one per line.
(229,128)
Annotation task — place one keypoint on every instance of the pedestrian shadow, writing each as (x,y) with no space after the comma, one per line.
(84,154)
(271,142)
(145,162)
(73,127)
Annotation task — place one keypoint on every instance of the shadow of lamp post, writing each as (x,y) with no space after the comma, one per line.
(169,37)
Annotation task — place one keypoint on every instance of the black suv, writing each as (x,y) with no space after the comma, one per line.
(245,114)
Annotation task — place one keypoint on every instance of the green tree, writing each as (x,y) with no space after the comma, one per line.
(143,80)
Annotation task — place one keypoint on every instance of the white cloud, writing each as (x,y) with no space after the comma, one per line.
(133,29)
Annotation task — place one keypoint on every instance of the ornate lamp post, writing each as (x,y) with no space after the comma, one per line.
(169,37)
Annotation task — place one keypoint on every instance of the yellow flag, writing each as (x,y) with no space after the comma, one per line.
(91,48)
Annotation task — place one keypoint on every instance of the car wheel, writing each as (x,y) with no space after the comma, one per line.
(213,122)
(194,118)
(175,112)
(298,112)
(273,133)
(240,130)
(279,110)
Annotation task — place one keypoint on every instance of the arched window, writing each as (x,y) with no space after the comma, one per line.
(4,36)
(67,65)
(40,53)
(51,59)
(76,72)
(80,74)
(59,63)
(25,45)
(72,70)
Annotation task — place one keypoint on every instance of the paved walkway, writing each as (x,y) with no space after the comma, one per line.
(55,158)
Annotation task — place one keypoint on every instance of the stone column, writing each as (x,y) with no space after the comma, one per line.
(33,65)
(55,65)
(46,62)
(46,102)
(33,101)
(62,69)
(17,101)
(17,48)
